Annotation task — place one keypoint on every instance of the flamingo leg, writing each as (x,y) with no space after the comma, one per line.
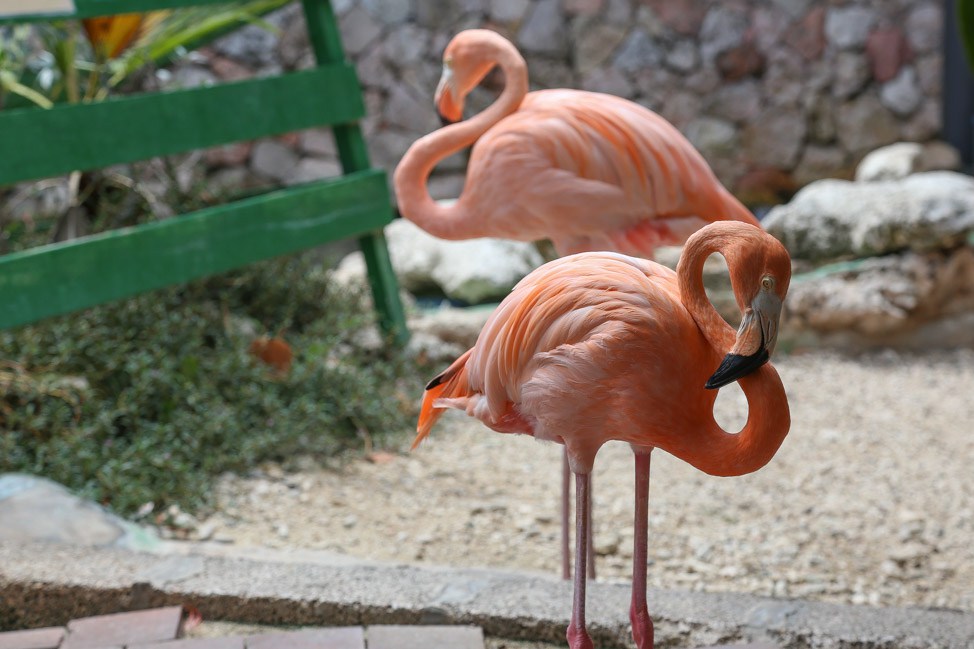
(642,624)
(566,564)
(577,636)
(590,537)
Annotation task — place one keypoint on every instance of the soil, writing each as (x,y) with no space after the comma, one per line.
(869,501)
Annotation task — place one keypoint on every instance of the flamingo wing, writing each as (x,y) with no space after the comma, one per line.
(593,172)
(567,355)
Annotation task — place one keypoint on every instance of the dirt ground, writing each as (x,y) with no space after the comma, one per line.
(869,501)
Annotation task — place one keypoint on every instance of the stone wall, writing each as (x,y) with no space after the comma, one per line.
(775,93)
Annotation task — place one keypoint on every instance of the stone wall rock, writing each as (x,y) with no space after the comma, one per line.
(806,87)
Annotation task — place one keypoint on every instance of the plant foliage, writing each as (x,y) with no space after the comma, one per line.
(148,399)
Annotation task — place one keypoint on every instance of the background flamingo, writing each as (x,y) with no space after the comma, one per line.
(587,170)
(600,346)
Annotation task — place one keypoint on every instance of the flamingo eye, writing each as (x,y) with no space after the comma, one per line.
(448,62)
(767,282)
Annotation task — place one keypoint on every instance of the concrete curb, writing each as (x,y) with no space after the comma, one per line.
(44,584)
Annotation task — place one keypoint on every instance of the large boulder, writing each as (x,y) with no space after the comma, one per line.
(832,219)
(895,300)
(472,271)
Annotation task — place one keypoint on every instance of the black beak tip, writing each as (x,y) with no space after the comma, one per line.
(735,366)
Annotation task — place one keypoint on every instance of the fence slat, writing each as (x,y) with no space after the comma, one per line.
(61,278)
(40,143)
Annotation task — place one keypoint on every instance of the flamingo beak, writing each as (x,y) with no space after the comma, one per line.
(448,108)
(756,340)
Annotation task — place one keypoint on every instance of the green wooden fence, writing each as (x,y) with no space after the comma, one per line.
(38,143)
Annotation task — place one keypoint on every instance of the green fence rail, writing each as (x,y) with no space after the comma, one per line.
(39,143)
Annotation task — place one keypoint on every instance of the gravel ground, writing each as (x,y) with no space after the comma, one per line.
(869,501)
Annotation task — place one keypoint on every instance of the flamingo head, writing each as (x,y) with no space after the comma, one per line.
(762,271)
(466,61)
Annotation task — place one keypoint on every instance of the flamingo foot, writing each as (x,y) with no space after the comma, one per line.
(578,638)
(642,627)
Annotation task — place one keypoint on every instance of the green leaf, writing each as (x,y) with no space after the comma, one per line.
(10,84)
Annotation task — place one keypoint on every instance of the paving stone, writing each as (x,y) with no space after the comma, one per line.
(67,518)
(351,637)
(48,638)
(425,637)
(153,625)
(229,642)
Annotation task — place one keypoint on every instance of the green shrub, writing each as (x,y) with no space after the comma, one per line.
(148,399)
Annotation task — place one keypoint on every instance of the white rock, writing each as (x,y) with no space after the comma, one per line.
(889,162)
(723,28)
(457,326)
(835,218)
(711,135)
(472,271)
(309,169)
(902,94)
(848,27)
(432,350)
(883,296)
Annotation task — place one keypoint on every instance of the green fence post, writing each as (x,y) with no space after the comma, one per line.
(327,45)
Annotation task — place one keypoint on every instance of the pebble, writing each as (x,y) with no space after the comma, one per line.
(607,545)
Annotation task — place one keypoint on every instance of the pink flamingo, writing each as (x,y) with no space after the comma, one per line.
(600,346)
(587,170)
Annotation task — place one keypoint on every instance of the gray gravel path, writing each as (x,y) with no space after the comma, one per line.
(869,501)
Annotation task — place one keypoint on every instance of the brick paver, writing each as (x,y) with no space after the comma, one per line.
(425,637)
(118,629)
(48,638)
(229,642)
(158,629)
(350,637)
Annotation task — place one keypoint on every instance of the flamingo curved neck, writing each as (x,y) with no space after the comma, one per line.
(412,174)
(768,418)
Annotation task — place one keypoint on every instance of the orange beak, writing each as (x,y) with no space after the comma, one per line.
(448,107)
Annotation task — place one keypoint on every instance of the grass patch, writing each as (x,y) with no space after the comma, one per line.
(148,399)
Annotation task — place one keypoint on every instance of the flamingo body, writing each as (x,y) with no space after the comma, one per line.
(601,346)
